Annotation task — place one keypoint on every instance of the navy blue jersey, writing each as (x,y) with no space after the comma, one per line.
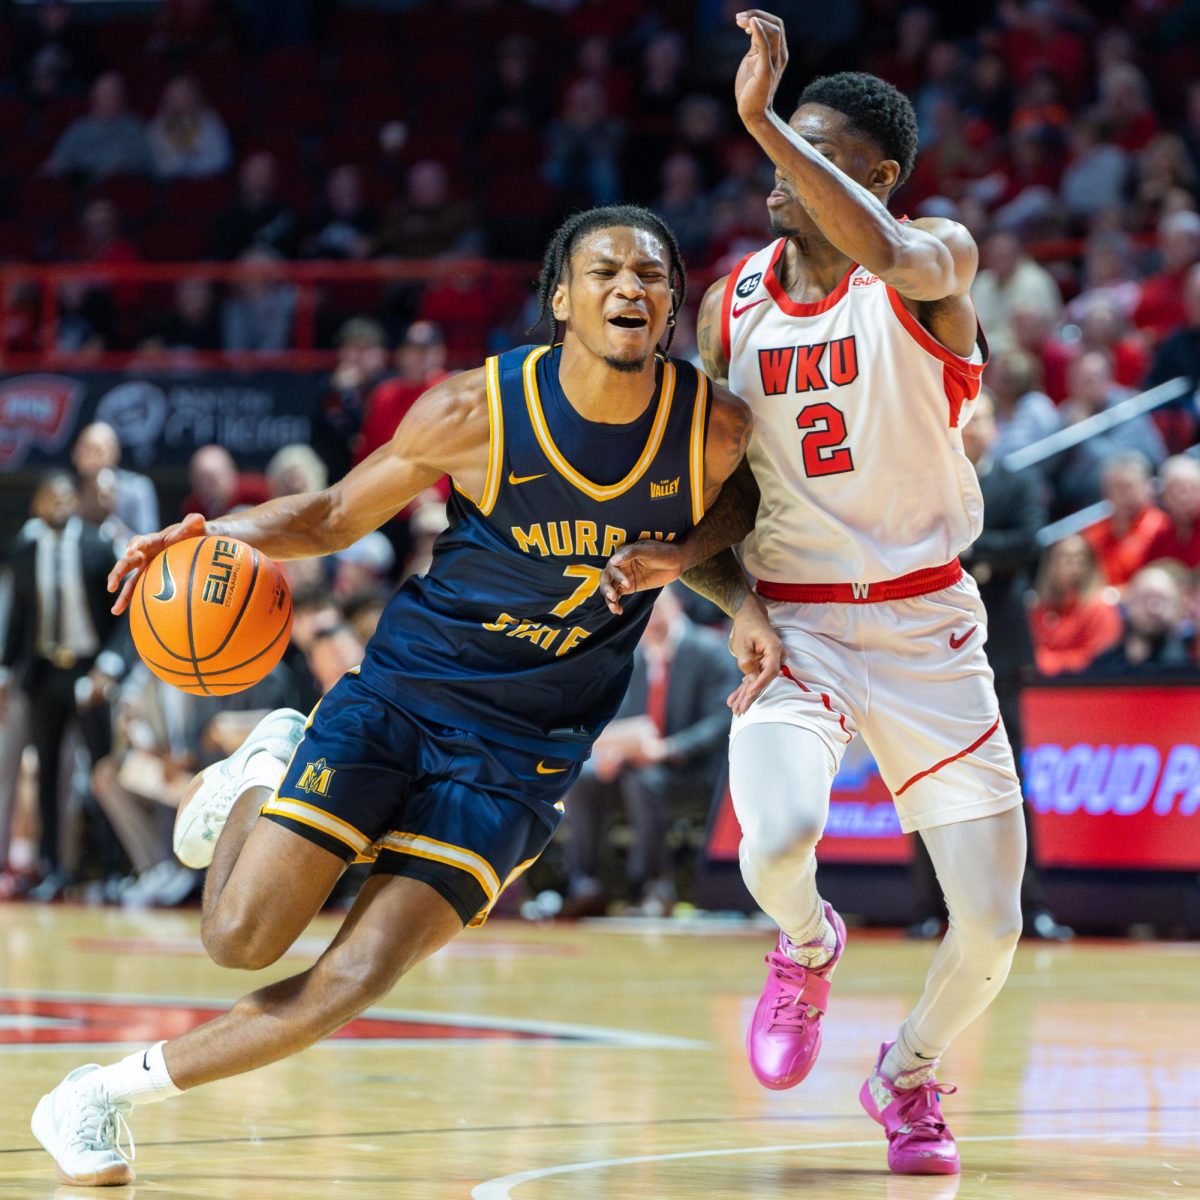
(508,634)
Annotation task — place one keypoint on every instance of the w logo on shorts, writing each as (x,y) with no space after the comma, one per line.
(316,778)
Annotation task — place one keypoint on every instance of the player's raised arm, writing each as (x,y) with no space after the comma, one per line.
(445,432)
(928,259)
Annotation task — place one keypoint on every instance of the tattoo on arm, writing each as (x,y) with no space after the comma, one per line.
(721,580)
(729,519)
(708,333)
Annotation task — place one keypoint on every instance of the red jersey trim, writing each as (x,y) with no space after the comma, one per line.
(727,303)
(953,758)
(824,700)
(794,308)
(929,343)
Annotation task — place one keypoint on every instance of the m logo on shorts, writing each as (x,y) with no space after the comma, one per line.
(316,778)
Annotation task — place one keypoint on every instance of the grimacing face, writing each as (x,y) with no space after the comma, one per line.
(614,296)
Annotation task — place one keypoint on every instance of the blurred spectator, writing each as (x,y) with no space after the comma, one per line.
(421,364)
(187,136)
(902,60)
(1073,618)
(661,758)
(1120,541)
(1163,169)
(1160,310)
(1179,354)
(1091,389)
(659,89)
(295,469)
(428,222)
(362,363)
(1033,39)
(362,611)
(362,568)
(97,448)
(63,648)
(1011,280)
(427,519)
(1023,414)
(107,140)
(683,204)
(99,239)
(515,96)
(1125,104)
(258,216)
(700,129)
(1096,176)
(258,313)
(194,322)
(1152,635)
(1179,495)
(583,146)
(53,53)
(344,225)
(87,318)
(218,487)
(1101,325)
(1109,271)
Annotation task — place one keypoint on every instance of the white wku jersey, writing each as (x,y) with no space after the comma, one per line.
(857,416)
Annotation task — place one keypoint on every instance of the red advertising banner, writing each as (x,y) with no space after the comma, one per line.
(1113,776)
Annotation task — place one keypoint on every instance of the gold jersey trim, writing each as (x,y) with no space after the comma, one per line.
(699,412)
(541,430)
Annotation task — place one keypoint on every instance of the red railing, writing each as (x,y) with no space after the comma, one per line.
(306,277)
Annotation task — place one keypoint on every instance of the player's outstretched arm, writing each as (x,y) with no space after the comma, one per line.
(445,432)
(928,259)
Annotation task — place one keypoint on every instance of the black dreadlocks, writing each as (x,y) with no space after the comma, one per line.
(566,238)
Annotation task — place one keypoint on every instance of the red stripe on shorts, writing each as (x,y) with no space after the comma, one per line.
(953,758)
(824,698)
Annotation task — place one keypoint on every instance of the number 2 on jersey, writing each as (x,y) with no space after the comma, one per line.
(824,430)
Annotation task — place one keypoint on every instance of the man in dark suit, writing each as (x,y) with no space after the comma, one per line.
(1000,561)
(62,646)
(661,757)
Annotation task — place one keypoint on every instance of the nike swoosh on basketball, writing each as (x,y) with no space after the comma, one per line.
(542,769)
(957,642)
(168,584)
(514,478)
(737,312)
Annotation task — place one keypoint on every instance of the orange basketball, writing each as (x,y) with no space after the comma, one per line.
(211,615)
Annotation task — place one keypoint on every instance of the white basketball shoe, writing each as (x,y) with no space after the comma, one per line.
(83,1130)
(203,814)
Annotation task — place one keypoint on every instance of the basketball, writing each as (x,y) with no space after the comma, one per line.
(211,616)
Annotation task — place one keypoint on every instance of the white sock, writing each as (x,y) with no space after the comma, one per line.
(142,1078)
(263,770)
(818,944)
(906,1065)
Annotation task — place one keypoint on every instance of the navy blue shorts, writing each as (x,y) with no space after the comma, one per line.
(371,782)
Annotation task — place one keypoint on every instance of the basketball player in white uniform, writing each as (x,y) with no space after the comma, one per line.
(853,338)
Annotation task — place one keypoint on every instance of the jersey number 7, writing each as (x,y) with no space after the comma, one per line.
(824,432)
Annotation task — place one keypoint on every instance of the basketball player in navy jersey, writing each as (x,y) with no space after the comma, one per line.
(444,757)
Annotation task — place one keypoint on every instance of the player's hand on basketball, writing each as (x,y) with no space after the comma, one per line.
(638,566)
(141,551)
(761,70)
(758,650)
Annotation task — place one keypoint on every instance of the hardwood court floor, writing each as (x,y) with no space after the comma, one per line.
(603,1061)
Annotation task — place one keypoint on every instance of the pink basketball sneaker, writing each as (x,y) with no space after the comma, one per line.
(785,1035)
(918,1141)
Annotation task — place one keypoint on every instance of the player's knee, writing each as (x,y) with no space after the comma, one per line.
(994,929)
(785,844)
(235,943)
